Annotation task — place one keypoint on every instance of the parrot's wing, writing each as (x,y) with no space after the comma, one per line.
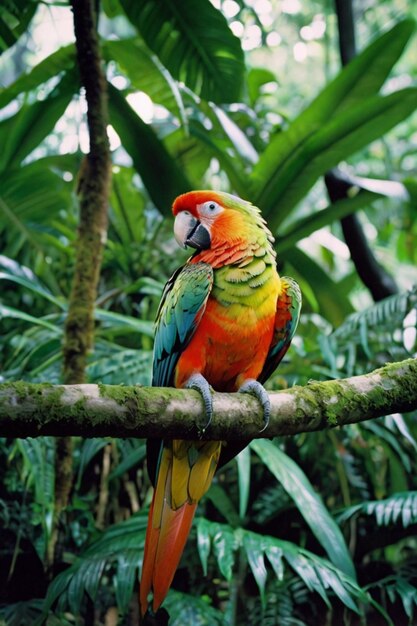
(182,305)
(286,321)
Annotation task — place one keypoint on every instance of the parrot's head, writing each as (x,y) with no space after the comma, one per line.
(214,220)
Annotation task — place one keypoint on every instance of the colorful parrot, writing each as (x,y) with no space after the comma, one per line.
(225,321)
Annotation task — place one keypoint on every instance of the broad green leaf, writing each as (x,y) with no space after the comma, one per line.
(256,562)
(336,211)
(53,65)
(160,174)
(134,458)
(127,215)
(362,77)
(355,84)
(110,319)
(146,73)
(219,148)
(10,312)
(192,39)
(126,576)
(307,501)
(32,284)
(341,137)
(237,137)
(332,300)
(203,542)
(22,14)
(223,504)
(23,132)
(257,78)
(243,461)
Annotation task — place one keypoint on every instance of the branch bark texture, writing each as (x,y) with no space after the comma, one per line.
(30,410)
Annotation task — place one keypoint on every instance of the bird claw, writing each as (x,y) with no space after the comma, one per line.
(254,388)
(200,384)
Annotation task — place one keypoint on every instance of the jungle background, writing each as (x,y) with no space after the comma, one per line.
(248,97)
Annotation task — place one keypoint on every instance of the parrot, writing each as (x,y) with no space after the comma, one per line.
(225,321)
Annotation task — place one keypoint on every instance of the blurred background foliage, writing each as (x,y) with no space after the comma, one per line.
(247,97)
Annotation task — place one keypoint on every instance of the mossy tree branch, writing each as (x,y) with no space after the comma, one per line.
(103,410)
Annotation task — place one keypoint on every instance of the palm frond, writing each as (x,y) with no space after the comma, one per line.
(184,608)
(116,553)
(383,332)
(318,574)
(400,508)
(402,586)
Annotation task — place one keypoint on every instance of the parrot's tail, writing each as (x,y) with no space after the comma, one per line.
(185,473)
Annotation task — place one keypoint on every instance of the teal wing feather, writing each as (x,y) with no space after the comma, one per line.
(286,321)
(182,305)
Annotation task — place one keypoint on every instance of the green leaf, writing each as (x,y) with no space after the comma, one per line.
(30,282)
(23,132)
(53,65)
(10,312)
(194,42)
(134,458)
(223,503)
(243,461)
(146,73)
(400,508)
(336,211)
(257,78)
(184,609)
(307,501)
(361,78)
(332,299)
(316,573)
(356,83)
(111,319)
(256,562)
(22,14)
(126,576)
(159,172)
(341,137)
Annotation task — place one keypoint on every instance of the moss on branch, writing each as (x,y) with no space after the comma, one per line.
(30,410)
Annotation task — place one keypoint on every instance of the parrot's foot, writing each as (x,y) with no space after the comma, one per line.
(200,384)
(255,388)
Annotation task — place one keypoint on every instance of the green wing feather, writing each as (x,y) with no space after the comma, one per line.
(182,305)
(288,314)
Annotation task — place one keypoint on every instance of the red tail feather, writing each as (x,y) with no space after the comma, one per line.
(163,549)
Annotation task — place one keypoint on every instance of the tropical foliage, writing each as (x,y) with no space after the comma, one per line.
(317,529)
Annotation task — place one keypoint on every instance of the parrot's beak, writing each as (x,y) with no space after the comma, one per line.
(189,231)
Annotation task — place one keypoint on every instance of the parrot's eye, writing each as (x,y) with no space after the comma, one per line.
(210,208)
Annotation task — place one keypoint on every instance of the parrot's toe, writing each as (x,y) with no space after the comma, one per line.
(255,388)
(200,384)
